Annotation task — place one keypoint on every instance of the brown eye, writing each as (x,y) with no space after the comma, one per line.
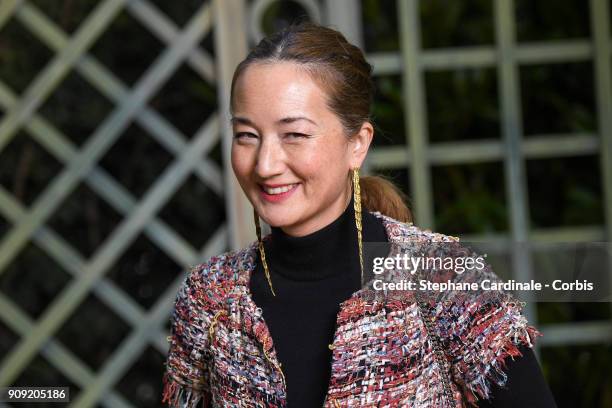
(296,135)
(245,135)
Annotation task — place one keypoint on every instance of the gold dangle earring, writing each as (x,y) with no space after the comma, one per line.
(262,253)
(357,206)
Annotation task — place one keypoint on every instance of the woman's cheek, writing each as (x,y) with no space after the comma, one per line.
(240,159)
(242,174)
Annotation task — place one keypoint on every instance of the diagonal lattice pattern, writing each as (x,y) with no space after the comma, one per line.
(82,165)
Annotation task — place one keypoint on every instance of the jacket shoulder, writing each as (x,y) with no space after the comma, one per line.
(214,278)
(217,268)
(399,231)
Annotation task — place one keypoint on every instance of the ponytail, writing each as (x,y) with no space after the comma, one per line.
(381,194)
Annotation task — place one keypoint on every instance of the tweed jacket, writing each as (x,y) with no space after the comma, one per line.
(387,352)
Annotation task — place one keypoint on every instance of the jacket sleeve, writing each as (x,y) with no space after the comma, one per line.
(185,380)
(481,330)
(526,386)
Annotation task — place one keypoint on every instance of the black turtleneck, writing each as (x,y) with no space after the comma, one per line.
(311,276)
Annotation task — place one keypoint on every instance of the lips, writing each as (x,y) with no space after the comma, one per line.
(277,189)
(277,192)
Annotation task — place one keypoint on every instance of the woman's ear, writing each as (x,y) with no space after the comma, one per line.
(360,143)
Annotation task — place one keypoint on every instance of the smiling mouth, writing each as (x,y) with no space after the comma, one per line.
(278,190)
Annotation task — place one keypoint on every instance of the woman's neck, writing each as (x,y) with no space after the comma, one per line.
(330,250)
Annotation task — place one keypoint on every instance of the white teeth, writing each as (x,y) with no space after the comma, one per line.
(279,190)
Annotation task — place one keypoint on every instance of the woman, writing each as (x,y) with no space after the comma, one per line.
(286,321)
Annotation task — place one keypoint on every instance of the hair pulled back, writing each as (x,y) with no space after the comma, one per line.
(340,68)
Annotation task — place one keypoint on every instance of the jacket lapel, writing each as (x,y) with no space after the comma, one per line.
(362,302)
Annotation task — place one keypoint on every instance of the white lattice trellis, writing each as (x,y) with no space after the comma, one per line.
(81,165)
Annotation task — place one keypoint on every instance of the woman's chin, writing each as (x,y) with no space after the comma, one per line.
(276,222)
(277,219)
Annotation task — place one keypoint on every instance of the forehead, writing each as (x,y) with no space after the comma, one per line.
(278,88)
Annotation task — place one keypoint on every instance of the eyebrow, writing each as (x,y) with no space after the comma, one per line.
(291,119)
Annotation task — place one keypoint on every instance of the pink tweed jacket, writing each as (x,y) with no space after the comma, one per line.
(387,352)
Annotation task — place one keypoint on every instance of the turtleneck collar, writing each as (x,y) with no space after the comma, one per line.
(329,251)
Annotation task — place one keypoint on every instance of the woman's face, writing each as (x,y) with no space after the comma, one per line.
(289,152)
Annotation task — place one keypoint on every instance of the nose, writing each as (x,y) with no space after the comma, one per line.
(270,159)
